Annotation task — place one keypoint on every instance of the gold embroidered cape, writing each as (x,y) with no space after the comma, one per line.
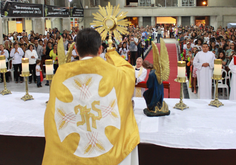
(116,74)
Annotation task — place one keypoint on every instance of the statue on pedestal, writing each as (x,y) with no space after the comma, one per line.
(160,71)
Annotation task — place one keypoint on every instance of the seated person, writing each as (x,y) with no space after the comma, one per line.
(140,75)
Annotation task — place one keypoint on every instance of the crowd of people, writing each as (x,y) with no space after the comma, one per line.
(220,42)
(35,46)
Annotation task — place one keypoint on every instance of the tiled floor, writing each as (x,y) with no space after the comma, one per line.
(20,87)
(195,96)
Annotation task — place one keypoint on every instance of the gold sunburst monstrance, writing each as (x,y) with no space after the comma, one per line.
(108,20)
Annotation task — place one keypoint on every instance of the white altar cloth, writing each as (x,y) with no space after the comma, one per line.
(22,118)
(199,127)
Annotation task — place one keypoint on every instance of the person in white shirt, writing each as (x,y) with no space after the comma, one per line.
(46,31)
(124,51)
(38,70)
(32,55)
(17,54)
(19,37)
(140,75)
(74,55)
(154,34)
(133,49)
(103,54)
(6,54)
(204,62)
(73,35)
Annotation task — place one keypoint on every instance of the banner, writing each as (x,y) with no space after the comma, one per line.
(15,9)
(12,26)
(55,11)
(48,24)
(28,26)
(77,12)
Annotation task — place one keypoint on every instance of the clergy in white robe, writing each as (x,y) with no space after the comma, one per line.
(140,75)
(204,62)
(232,68)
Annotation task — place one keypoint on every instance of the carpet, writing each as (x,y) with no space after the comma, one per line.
(174,86)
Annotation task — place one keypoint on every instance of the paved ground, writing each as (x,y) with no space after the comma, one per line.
(20,87)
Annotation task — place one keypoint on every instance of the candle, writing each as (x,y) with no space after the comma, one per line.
(25,65)
(181,69)
(2,62)
(49,67)
(217,67)
(234,60)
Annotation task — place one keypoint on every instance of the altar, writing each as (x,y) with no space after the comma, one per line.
(201,127)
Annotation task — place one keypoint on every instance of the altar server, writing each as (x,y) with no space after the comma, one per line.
(232,67)
(140,75)
(204,62)
(89,117)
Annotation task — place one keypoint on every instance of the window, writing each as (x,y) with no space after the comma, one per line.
(131,2)
(167,3)
(94,3)
(187,2)
(144,2)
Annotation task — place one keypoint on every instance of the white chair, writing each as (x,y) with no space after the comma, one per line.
(229,77)
(11,69)
(223,84)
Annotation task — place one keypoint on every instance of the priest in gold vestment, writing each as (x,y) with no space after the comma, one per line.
(89,117)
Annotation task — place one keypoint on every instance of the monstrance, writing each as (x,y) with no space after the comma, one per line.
(108,20)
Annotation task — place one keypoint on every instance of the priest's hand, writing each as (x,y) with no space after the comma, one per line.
(205,64)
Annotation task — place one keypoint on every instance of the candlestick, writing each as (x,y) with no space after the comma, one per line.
(217,67)
(216,102)
(181,78)
(181,105)
(25,67)
(49,72)
(181,69)
(2,62)
(27,96)
(49,67)
(3,70)
(5,90)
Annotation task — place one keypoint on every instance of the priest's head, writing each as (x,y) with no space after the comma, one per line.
(139,62)
(88,43)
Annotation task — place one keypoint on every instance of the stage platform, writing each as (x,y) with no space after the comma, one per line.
(201,128)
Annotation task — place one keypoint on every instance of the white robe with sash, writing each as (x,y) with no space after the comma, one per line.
(204,74)
(233,80)
(140,75)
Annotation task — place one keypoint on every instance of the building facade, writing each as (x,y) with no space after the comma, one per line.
(140,12)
